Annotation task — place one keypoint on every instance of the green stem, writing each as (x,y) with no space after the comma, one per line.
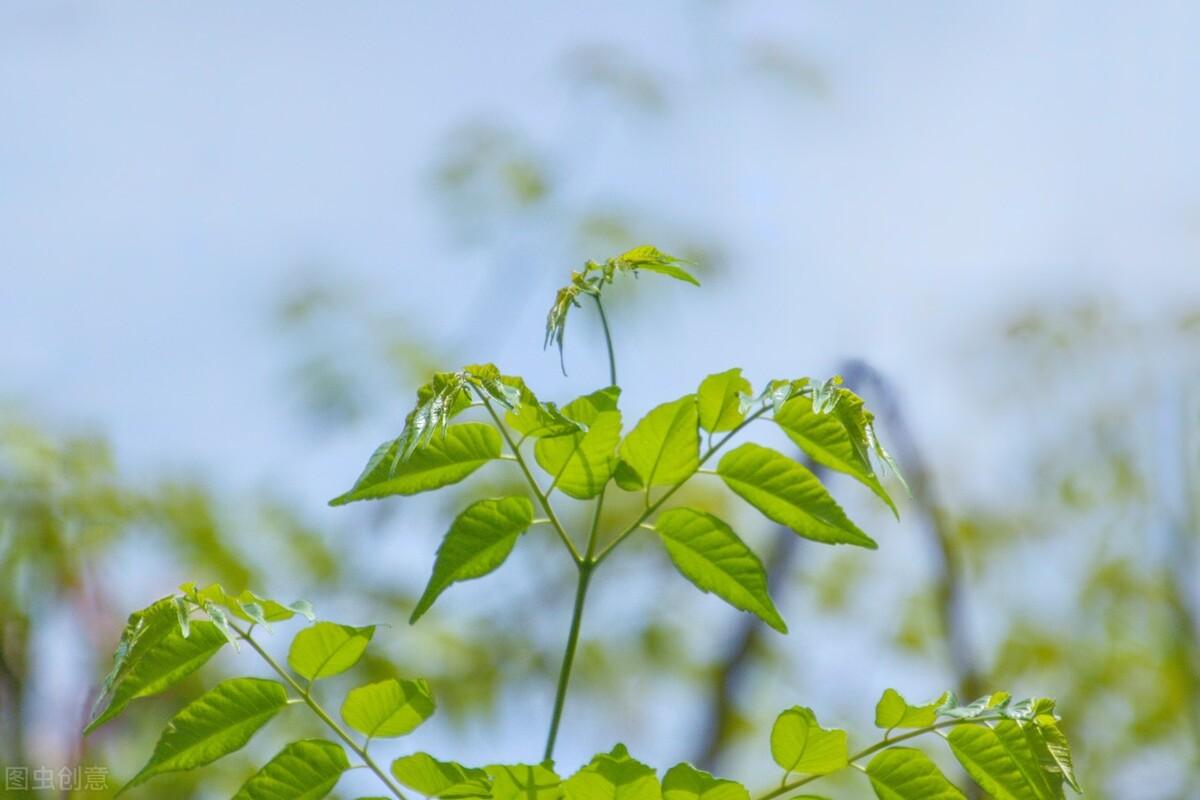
(875,748)
(586,567)
(307,698)
(652,507)
(543,499)
(612,359)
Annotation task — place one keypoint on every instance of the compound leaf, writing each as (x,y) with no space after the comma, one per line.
(524,782)
(709,554)
(613,776)
(718,400)
(388,708)
(990,763)
(893,711)
(838,439)
(153,655)
(303,770)
(213,725)
(444,461)
(903,773)
(788,493)
(800,744)
(423,773)
(664,447)
(685,782)
(479,540)
(327,648)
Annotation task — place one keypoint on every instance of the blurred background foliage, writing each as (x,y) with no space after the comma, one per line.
(1078,580)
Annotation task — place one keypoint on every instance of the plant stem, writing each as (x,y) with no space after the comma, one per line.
(307,698)
(652,507)
(564,674)
(875,748)
(543,499)
(586,567)
(612,359)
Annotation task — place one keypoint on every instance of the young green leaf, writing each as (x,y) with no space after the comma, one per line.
(652,259)
(1021,749)
(664,447)
(837,439)
(800,744)
(893,711)
(303,770)
(990,764)
(1058,748)
(718,400)
(534,418)
(388,708)
(685,782)
(153,655)
(217,723)
(423,773)
(903,773)
(708,553)
(444,461)
(327,648)
(524,782)
(613,776)
(582,462)
(787,493)
(479,540)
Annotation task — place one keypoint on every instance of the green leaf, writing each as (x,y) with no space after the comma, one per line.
(685,782)
(718,400)
(153,655)
(524,782)
(652,259)
(893,711)
(215,724)
(663,449)
(902,773)
(613,776)
(800,744)
(303,770)
(327,648)
(479,540)
(1023,751)
(840,439)
(989,762)
(786,492)
(423,773)
(446,460)
(582,462)
(534,418)
(388,708)
(1058,748)
(709,554)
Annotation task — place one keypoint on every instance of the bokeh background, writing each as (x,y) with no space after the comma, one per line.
(234,238)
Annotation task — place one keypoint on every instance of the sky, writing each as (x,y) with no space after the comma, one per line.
(925,173)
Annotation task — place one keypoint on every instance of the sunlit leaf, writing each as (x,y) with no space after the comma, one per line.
(327,648)
(524,782)
(786,492)
(991,765)
(479,540)
(1059,749)
(709,554)
(219,722)
(303,770)
(718,400)
(580,463)
(613,776)
(685,782)
(800,744)
(153,655)
(893,711)
(902,773)
(837,439)
(388,708)
(664,447)
(423,773)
